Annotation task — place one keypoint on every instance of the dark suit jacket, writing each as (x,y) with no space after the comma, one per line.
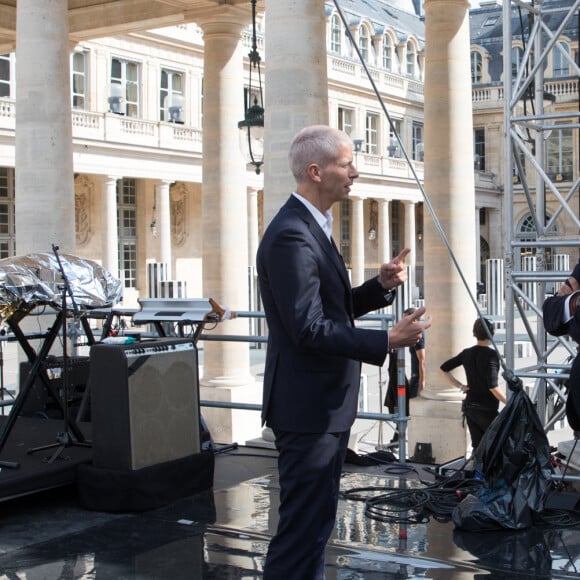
(313,362)
(553,314)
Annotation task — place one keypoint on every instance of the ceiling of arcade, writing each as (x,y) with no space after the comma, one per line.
(94,18)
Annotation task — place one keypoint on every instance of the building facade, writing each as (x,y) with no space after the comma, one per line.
(137,119)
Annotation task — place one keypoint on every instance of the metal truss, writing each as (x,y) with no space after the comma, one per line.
(530,118)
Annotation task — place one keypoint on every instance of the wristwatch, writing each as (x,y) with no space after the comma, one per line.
(389,295)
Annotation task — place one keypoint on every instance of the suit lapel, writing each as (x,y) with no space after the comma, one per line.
(327,245)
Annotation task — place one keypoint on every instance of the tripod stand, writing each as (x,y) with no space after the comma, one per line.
(64,439)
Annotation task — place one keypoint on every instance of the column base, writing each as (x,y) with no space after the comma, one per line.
(232,425)
(439,423)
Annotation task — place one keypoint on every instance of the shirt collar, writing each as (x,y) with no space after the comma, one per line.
(324,220)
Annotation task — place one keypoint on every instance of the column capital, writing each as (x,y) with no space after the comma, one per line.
(223,20)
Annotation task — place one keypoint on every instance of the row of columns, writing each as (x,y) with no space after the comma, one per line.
(297,95)
(384,234)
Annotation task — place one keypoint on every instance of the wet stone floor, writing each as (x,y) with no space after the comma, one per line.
(223,533)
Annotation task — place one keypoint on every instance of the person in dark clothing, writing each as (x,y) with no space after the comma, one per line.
(561,315)
(315,351)
(482,393)
(413,385)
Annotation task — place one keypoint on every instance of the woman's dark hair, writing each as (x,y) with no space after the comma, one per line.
(479,330)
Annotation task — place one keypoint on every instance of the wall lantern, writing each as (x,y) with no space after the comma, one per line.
(252,127)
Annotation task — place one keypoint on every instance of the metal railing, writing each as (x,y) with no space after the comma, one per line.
(384,320)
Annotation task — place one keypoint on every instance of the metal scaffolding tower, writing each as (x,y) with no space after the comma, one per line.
(532,268)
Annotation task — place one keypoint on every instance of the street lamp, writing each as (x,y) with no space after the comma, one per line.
(252,127)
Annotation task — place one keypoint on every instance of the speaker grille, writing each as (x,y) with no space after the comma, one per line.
(145,403)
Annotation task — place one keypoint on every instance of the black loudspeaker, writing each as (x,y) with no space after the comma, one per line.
(144,402)
(38,402)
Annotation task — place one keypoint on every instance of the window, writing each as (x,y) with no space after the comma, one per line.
(526,232)
(517,54)
(372,134)
(387,52)
(411,59)
(345,120)
(124,96)
(395,225)
(479,149)
(363,42)
(78,67)
(561,62)
(127,212)
(335,35)
(491,20)
(418,147)
(482,216)
(7,237)
(345,231)
(476,67)
(559,155)
(393,147)
(6,75)
(171,100)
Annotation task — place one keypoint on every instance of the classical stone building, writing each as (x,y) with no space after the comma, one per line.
(155,94)
(137,110)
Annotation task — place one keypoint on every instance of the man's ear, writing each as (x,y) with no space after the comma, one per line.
(313,171)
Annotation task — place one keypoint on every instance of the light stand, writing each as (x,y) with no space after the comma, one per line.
(3,390)
(64,439)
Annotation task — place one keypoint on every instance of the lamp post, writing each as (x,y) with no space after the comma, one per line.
(252,127)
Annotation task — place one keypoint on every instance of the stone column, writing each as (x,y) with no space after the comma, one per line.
(296,92)
(384,231)
(253,233)
(358,241)
(477,247)
(45,203)
(111,227)
(436,416)
(494,217)
(410,242)
(226,365)
(296,88)
(164,225)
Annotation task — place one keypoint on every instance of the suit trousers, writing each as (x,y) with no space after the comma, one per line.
(309,469)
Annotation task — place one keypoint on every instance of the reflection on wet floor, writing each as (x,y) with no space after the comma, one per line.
(224,534)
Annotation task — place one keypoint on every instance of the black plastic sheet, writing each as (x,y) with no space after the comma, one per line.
(514,460)
(526,551)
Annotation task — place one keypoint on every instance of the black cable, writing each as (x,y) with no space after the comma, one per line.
(416,504)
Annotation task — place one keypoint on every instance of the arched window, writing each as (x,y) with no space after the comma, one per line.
(335,35)
(411,58)
(387,52)
(526,232)
(476,67)
(364,42)
(561,65)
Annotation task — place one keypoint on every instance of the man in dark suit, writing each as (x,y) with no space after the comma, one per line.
(314,356)
(562,316)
